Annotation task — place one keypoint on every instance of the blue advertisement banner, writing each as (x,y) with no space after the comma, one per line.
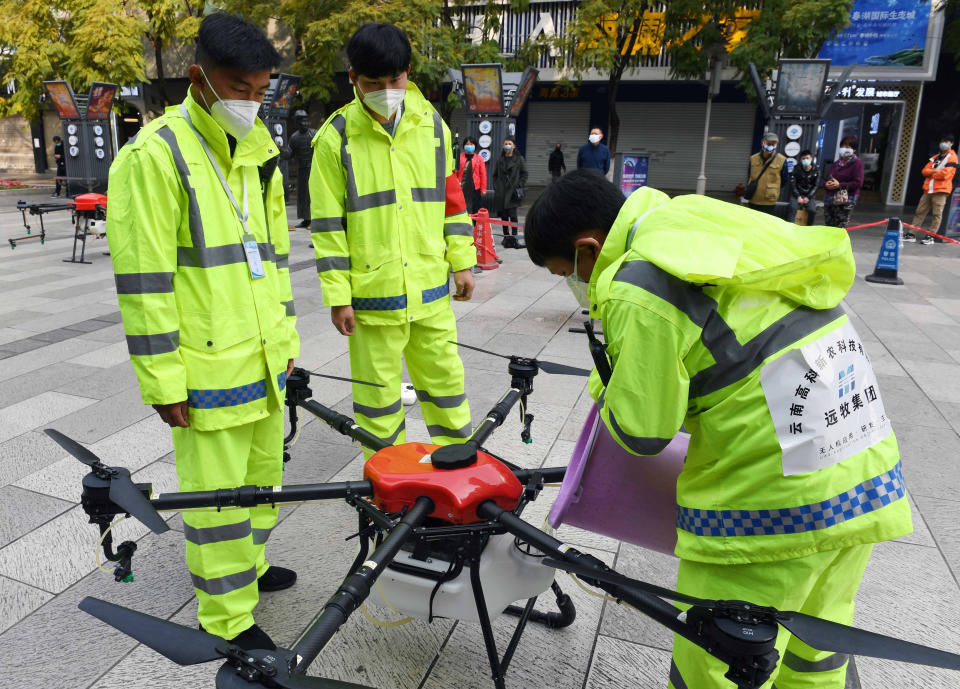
(882,33)
(633,173)
(889,251)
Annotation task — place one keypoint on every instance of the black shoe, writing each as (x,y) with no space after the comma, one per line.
(253,639)
(909,237)
(277,579)
(304,223)
(927,240)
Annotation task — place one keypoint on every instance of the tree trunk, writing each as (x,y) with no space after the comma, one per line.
(613,87)
(161,79)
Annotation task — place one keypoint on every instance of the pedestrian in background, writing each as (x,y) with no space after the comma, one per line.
(766,176)
(302,153)
(472,175)
(509,188)
(594,154)
(938,177)
(556,166)
(804,181)
(843,183)
(61,160)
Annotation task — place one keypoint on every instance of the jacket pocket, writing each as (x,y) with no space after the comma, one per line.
(217,331)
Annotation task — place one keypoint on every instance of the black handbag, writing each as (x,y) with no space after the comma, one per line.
(518,194)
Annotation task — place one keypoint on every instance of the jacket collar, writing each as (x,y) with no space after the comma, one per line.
(255,149)
(415,107)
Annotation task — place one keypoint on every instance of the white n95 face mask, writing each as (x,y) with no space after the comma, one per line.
(384,102)
(236,117)
(594,138)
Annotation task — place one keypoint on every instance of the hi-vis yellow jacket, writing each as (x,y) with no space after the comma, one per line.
(198,327)
(385,232)
(728,321)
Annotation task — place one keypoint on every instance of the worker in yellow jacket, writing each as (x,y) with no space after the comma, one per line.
(389,225)
(728,321)
(198,235)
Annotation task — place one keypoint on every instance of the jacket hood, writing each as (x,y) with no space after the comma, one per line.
(707,241)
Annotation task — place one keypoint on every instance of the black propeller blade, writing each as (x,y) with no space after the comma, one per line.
(345,380)
(304,682)
(229,678)
(831,636)
(813,631)
(546,366)
(182,645)
(73,447)
(123,492)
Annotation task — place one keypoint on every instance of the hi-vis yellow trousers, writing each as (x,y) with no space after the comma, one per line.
(435,369)
(823,584)
(225,550)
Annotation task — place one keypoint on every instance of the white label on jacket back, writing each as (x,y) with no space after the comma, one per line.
(824,402)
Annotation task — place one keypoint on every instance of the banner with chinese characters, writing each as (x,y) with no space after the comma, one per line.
(882,33)
(824,402)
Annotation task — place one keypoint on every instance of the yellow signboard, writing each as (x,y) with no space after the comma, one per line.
(649,40)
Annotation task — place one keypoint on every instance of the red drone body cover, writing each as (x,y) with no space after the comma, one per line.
(402,473)
(89,202)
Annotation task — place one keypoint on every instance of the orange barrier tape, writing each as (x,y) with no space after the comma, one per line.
(905,224)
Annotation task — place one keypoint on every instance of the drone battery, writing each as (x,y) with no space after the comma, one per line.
(507,574)
(402,473)
(89,202)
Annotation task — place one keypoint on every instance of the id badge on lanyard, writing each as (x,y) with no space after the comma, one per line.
(250,247)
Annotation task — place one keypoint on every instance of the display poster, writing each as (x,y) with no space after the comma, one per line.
(953,218)
(800,86)
(483,85)
(882,33)
(632,171)
(527,81)
(101,100)
(285,93)
(62,97)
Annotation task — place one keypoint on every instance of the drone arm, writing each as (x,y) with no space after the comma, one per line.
(496,416)
(356,587)
(250,496)
(650,605)
(343,424)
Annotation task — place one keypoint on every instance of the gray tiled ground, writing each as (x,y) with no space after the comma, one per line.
(73,374)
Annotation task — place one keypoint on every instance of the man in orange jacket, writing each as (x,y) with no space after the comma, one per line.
(938,175)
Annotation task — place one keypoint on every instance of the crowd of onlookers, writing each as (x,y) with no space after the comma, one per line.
(769,174)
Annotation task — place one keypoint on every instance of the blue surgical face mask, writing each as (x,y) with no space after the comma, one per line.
(577,284)
(469,148)
(806,162)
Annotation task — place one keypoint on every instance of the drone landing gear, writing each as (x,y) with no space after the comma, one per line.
(554,620)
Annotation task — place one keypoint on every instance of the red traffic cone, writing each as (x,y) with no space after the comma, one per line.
(483,239)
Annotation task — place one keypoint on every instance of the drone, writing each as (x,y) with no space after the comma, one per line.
(441,535)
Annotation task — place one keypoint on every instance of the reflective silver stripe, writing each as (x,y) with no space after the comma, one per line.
(639,444)
(226,584)
(193,208)
(675,678)
(327,225)
(831,662)
(442,431)
(216,534)
(228,254)
(356,202)
(283,261)
(396,434)
(377,412)
(442,401)
(460,229)
(260,536)
(333,263)
(288,305)
(144,283)
(439,191)
(148,345)
(734,361)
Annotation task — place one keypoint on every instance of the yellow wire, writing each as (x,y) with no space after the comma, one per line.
(384,623)
(99,547)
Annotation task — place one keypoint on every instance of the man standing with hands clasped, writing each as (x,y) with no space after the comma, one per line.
(389,224)
(198,237)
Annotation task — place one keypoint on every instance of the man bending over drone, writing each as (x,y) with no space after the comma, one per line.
(728,321)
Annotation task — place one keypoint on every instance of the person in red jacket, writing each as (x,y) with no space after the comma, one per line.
(938,176)
(472,173)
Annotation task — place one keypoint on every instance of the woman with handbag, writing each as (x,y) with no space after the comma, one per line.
(472,174)
(843,183)
(509,188)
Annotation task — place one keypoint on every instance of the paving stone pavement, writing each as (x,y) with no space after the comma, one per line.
(63,364)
